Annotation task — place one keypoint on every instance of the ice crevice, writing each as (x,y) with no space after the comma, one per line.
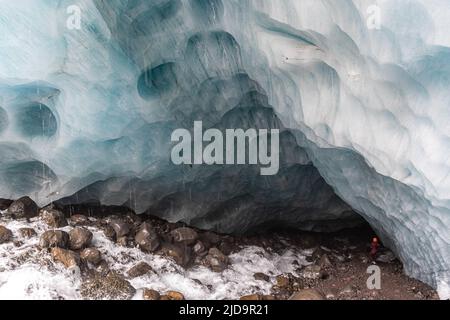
(87,114)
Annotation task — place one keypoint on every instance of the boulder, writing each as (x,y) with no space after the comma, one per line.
(54,238)
(184,235)
(109,232)
(111,286)
(173,295)
(387,257)
(91,255)
(261,276)
(23,208)
(257,297)
(5,203)
(150,294)
(317,254)
(68,258)
(79,220)
(251,297)
(79,238)
(348,290)
(216,260)
(307,294)
(102,268)
(123,241)
(283,281)
(27,232)
(200,249)
(133,219)
(142,268)
(146,238)
(312,272)
(5,235)
(53,218)
(18,243)
(121,228)
(226,247)
(324,262)
(329,295)
(210,238)
(181,254)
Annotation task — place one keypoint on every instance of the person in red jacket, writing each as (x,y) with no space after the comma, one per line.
(374,248)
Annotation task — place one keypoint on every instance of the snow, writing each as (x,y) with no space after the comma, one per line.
(41,278)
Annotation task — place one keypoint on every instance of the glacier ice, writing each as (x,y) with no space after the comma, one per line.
(87,114)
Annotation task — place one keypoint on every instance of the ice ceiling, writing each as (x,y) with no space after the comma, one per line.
(86,114)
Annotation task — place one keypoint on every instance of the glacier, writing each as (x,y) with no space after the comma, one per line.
(86,114)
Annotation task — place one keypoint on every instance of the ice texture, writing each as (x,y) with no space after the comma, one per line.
(87,114)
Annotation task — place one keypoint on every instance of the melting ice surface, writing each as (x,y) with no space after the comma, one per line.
(41,278)
(87,114)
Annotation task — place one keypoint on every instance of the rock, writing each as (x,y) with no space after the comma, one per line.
(330,296)
(181,254)
(68,258)
(109,232)
(312,272)
(5,235)
(173,295)
(185,235)
(227,247)
(261,276)
(324,262)
(133,218)
(347,290)
(386,257)
(150,294)
(54,238)
(200,249)
(113,286)
(364,259)
(316,255)
(91,255)
(257,297)
(5,203)
(123,241)
(120,227)
(102,268)
(23,208)
(18,243)
(216,260)
(307,294)
(79,220)
(251,297)
(53,218)
(139,270)
(80,238)
(146,238)
(283,281)
(339,257)
(27,232)
(210,238)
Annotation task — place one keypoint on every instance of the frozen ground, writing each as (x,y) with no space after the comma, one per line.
(27,272)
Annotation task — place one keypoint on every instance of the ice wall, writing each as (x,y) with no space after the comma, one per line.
(364,112)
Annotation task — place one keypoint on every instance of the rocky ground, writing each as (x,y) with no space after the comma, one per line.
(110,253)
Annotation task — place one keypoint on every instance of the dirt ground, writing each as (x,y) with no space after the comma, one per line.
(346,269)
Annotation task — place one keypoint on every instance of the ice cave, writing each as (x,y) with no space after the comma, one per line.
(87,113)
